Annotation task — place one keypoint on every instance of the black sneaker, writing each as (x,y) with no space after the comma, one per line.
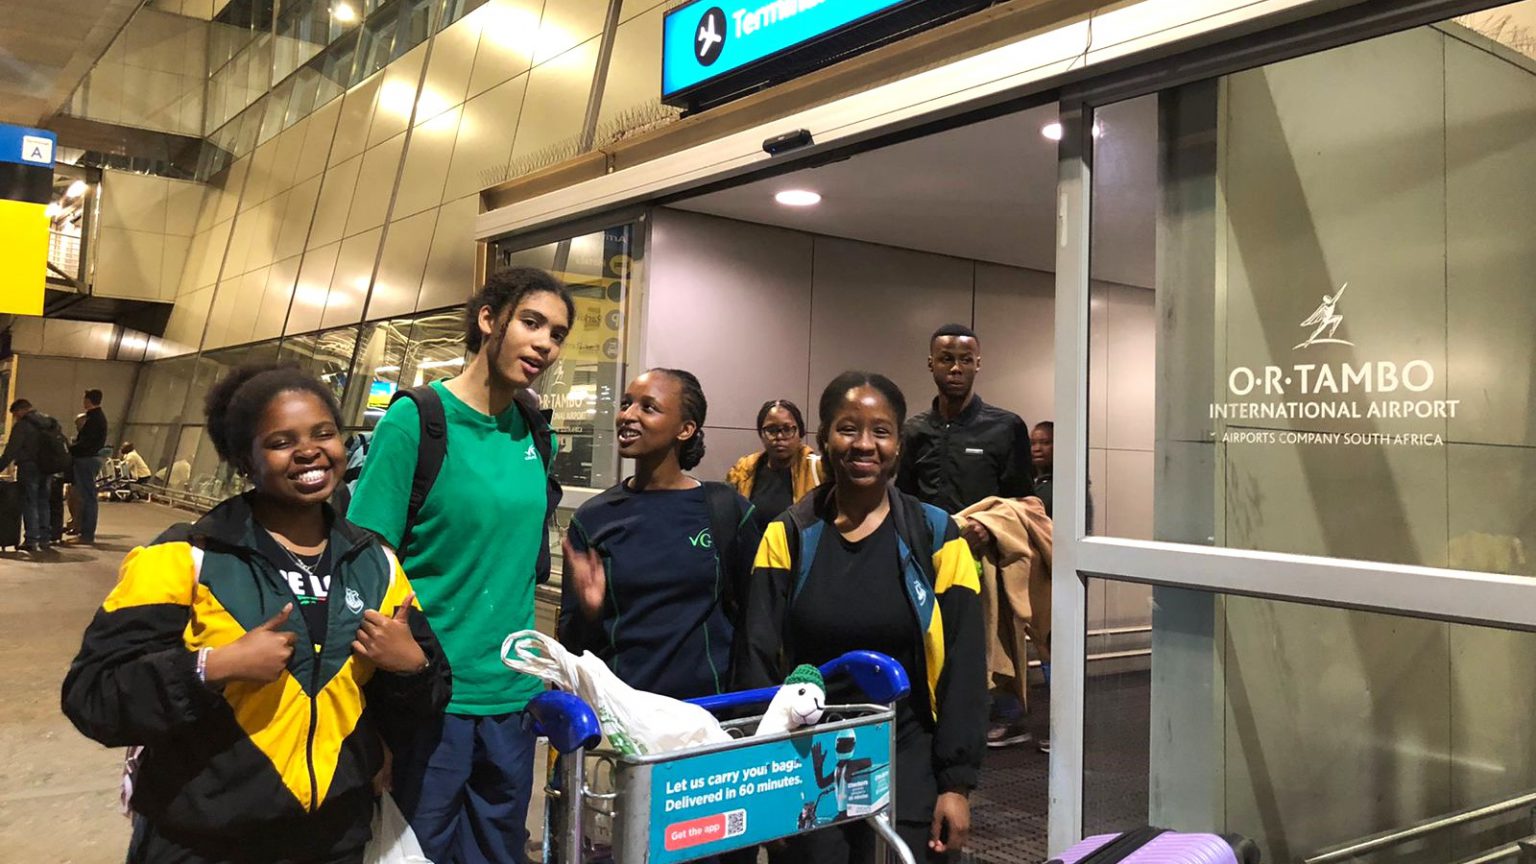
(1007,735)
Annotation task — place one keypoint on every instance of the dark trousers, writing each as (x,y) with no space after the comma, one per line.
(34,503)
(84,473)
(464,783)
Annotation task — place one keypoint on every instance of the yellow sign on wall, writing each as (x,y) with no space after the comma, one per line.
(23,257)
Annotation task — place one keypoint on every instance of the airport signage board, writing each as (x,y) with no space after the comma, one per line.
(713,50)
(26,187)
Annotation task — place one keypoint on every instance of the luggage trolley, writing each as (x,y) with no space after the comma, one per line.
(703,801)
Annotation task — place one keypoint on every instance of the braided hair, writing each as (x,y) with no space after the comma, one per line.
(695,408)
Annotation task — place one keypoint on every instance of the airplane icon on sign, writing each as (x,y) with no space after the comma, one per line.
(710,36)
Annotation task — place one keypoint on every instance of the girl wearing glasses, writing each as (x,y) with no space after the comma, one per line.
(785,470)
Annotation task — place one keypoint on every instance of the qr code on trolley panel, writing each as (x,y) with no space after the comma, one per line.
(735,823)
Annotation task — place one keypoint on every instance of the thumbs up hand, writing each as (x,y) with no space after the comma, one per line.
(259,656)
(388,642)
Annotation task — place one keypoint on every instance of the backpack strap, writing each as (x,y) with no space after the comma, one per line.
(538,420)
(431,450)
(725,518)
(938,521)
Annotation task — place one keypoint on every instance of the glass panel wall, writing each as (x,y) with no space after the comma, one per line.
(1334,300)
(1311,332)
(1321,749)
(402,353)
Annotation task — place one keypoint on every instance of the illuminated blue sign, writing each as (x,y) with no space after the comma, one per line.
(707,40)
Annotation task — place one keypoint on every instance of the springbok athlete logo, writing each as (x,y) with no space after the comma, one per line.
(709,39)
(1325,317)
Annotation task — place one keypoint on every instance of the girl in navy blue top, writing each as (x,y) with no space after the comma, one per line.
(645,586)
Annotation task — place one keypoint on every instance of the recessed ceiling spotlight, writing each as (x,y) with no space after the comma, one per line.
(344,13)
(798,198)
(75,190)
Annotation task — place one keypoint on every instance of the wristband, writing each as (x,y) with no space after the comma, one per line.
(202,665)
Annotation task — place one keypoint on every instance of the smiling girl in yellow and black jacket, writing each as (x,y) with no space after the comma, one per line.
(858,564)
(260,727)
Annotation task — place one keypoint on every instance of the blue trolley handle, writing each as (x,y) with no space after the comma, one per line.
(570,723)
(571,726)
(881,678)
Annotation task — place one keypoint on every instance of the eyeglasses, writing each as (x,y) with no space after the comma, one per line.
(779,431)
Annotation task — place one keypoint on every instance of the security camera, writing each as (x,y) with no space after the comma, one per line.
(781,144)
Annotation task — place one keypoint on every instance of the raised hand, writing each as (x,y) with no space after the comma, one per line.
(585,570)
(260,656)
(388,641)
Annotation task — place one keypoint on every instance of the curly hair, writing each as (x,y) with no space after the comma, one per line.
(505,290)
(234,405)
(691,452)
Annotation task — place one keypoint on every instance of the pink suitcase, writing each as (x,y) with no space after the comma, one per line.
(1158,846)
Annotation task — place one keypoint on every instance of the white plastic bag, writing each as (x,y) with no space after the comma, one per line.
(636,723)
(393,840)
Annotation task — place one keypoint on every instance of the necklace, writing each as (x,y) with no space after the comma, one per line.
(309,569)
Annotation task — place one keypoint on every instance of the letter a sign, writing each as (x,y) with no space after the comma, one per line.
(26,186)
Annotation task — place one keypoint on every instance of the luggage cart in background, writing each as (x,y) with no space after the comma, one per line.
(701,802)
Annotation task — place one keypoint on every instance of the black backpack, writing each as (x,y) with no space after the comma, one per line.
(52,447)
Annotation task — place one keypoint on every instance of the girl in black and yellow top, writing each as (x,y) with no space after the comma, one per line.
(260,727)
(785,470)
(860,565)
(647,586)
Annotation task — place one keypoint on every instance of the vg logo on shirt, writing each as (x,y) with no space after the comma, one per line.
(709,39)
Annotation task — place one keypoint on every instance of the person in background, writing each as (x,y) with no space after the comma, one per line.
(475,550)
(649,588)
(255,697)
(961,451)
(134,464)
(86,450)
(28,426)
(1042,450)
(785,470)
(860,565)
(72,494)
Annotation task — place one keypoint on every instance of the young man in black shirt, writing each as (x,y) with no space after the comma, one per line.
(86,450)
(964,450)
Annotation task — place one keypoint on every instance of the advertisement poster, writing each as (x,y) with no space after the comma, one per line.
(713,803)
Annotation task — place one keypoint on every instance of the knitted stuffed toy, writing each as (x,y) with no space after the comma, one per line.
(798,703)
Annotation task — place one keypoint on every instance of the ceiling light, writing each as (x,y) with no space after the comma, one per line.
(76,189)
(1051,131)
(378,369)
(54,209)
(798,198)
(438,364)
(344,13)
